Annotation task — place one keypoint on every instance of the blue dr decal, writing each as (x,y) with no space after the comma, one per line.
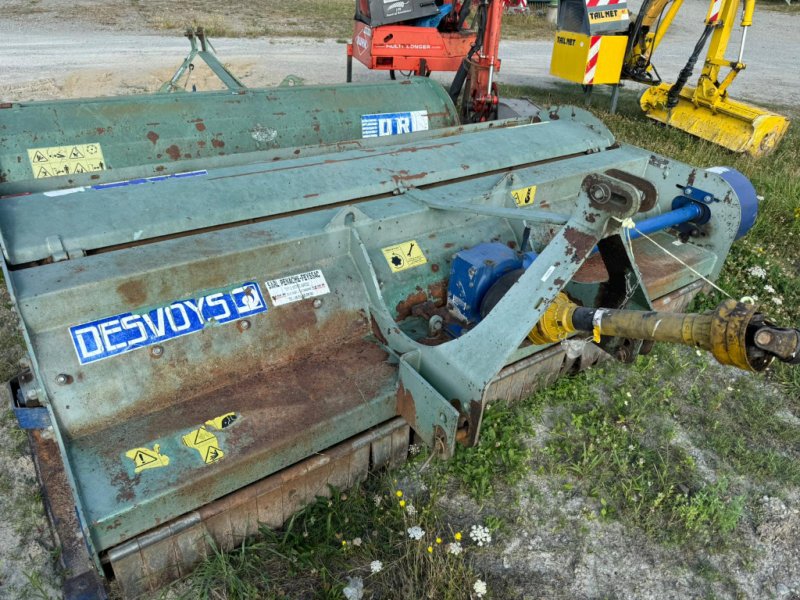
(393,123)
(122,333)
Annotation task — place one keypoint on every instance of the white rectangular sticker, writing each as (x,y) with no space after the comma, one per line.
(293,288)
(378,125)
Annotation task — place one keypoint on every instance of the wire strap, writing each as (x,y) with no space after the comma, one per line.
(628,225)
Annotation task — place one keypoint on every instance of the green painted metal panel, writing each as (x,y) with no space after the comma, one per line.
(160,134)
(39,226)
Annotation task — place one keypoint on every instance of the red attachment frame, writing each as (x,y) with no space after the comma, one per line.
(420,50)
(481,89)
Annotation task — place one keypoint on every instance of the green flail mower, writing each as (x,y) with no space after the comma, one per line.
(232,300)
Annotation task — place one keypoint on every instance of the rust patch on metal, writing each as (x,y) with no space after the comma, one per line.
(405,176)
(174,152)
(100,130)
(449,245)
(435,268)
(153,137)
(201,143)
(57,496)
(200,126)
(133,292)
(580,243)
(217,143)
(511,244)
(376,330)
(405,405)
(310,195)
(436,293)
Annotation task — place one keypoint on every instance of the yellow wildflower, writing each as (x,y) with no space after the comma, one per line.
(399,493)
(402,503)
(457,536)
(430,549)
(438,540)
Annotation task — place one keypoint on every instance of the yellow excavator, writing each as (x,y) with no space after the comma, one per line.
(599,42)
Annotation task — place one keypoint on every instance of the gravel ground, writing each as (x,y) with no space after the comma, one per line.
(571,557)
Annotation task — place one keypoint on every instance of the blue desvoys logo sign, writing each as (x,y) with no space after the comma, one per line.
(122,333)
(378,125)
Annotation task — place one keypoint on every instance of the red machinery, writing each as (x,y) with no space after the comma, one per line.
(472,53)
(402,46)
(479,100)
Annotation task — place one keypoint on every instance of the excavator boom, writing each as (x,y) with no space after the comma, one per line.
(596,46)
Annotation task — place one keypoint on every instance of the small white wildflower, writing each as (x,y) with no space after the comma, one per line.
(377,499)
(641,461)
(454,548)
(480,588)
(356,541)
(416,532)
(757,271)
(480,535)
(769,288)
(631,447)
(376,566)
(628,394)
(354,589)
(414,449)
(411,510)
(777,301)
(626,403)
(729,388)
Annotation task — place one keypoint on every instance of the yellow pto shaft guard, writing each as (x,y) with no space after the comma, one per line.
(735,333)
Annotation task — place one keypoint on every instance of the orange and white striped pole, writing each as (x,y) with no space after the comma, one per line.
(591,61)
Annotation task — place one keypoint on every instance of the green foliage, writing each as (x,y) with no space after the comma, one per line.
(335,538)
(613,440)
(500,458)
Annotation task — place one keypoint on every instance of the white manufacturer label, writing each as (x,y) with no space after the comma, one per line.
(293,288)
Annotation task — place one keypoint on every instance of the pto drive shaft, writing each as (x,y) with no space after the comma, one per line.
(735,333)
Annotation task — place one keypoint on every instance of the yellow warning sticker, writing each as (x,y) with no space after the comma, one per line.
(404,256)
(223,421)
(606,16)
(524,196)
(205,443)
(66,160)
(144,458)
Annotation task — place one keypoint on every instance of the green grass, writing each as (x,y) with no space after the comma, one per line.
(305,18)
(533,26)
(273,18)
(502,457)
(333,540)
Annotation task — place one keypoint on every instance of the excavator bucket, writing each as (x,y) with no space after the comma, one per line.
(259,293)
(734,125)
